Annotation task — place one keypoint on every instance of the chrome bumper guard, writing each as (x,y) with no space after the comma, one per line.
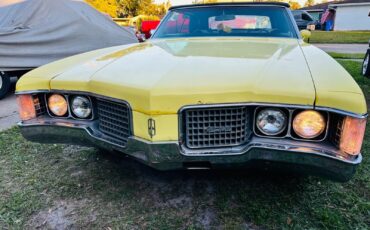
(313,158)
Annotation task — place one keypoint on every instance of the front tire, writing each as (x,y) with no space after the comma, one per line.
(4,84)
(366,65)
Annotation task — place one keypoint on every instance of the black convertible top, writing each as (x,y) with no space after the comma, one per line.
(233,4)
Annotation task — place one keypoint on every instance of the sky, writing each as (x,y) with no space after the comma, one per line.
(184,2)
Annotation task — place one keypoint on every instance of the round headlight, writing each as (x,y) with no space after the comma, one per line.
(58,105)
(271,121)
(81,107)
(309,124)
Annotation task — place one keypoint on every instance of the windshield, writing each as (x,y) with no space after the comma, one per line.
(216,21)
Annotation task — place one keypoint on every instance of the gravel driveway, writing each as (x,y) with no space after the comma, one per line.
(8,112)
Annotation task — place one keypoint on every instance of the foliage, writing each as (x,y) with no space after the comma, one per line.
(132,8)
(309,3)
(106,6)
(294,5)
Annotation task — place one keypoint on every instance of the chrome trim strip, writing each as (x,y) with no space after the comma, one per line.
(261,143)
(86,128)
(296,36)
(342,112)
(324,108)
(321,108)
(279,105)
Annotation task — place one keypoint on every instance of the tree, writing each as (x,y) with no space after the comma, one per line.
(294,5)
(128,8)
(132,8)
(105,6)
(309,3)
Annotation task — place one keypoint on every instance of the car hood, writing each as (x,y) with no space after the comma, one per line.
(161,76)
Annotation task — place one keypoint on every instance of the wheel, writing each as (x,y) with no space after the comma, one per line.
(4,84)
(366,66)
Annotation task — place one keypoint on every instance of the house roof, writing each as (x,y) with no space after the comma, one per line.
(324,6)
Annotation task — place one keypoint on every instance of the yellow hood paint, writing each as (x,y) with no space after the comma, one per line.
(335,87)
(159,77)
(39,79)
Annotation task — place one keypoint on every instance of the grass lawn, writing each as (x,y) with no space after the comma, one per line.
(340,37)
(347,55)
(58,186)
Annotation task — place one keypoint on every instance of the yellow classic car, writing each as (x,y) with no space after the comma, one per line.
(217,85)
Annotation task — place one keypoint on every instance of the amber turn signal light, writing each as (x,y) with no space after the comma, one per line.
(353,132)
(26,107)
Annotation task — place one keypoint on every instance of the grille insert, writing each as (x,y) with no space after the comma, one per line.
(40,105)
(114,121)
(337,131)
(216,127)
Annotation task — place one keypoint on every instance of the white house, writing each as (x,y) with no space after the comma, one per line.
(352,16)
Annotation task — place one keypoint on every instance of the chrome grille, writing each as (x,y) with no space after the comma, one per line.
(40,105)
(114,121)
(216,127)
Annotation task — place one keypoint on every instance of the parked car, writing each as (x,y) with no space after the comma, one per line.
(304,20)
(365,64)
(28,42)
(218,85)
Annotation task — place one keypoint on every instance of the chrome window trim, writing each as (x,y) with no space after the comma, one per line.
(294,26)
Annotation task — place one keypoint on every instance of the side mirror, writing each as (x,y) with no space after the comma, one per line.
(306,35)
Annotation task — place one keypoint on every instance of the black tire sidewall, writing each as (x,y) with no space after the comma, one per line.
(367,72)
(5,86)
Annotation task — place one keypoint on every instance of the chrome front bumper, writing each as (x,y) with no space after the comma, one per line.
(312,158)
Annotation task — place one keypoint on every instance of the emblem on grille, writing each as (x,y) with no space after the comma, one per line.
(151,127)
(224,129)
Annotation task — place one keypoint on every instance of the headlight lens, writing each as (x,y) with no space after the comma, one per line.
(81,107)
(309,124)
(271,121)
(58,105)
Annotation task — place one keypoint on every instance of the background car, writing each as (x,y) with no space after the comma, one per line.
(304,20)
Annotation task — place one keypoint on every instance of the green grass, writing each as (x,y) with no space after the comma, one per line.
(347,55)
(50,186)
(340,37)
